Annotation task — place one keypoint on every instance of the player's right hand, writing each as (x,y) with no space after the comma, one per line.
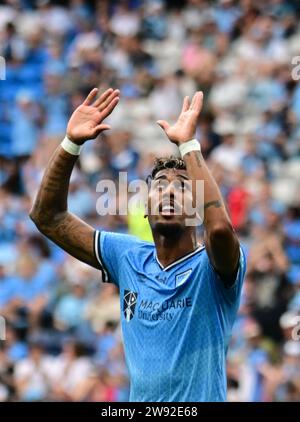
(86,121)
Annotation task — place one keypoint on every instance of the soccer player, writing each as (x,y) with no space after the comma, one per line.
(178,299)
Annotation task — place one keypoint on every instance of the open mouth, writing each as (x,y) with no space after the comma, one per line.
(169,208)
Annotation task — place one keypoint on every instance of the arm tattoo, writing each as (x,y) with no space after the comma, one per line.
(197,157)
(74,236)
(50,214)
(216,204)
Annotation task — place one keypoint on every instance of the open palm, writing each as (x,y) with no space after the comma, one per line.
(86,121)
(185,127)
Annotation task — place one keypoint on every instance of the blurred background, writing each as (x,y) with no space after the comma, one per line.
(63,340)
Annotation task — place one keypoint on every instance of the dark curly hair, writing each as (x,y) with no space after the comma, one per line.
(161,163)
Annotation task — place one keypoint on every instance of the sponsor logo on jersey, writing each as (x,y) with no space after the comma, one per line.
(129,303)
(162,311)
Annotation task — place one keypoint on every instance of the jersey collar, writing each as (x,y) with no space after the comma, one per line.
(183,258)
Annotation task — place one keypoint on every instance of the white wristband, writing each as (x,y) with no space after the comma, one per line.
(70,146)
(189,146)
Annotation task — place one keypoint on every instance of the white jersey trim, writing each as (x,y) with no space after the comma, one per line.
(98,256)
(200,248)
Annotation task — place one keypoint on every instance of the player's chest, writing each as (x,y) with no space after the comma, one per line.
(144,306)
(161,297)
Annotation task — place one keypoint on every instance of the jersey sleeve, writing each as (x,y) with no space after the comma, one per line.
(109,250)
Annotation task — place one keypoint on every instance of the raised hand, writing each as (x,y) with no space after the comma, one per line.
(86,121)
(185,127)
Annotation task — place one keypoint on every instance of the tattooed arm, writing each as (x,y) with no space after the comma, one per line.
(49,211)
(221,241)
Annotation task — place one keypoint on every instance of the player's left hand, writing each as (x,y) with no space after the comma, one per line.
(185,127)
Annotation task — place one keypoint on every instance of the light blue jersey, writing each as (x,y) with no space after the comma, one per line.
(176,321)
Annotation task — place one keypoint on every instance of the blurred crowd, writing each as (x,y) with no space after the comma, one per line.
(63,339)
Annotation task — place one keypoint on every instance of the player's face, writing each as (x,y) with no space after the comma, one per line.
(170,199)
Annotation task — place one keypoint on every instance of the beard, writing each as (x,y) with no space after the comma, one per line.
(169,230)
